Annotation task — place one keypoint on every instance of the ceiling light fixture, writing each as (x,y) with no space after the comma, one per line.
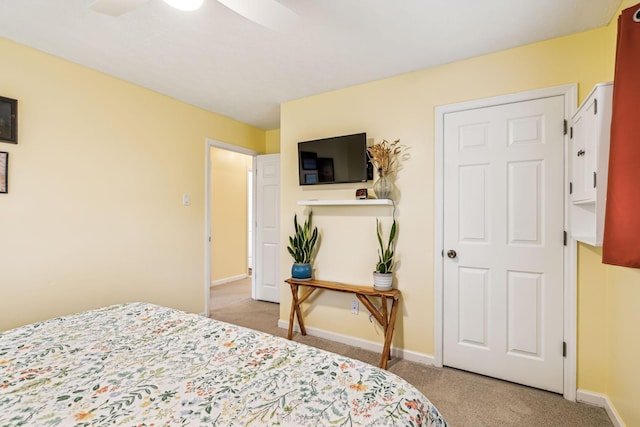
(186,5)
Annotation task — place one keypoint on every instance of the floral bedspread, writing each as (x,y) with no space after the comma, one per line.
(144,365)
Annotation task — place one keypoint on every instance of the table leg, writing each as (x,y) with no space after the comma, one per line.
(295,312)
(388,334)
(385,315)
(294,302)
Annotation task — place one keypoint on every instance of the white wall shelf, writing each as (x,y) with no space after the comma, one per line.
(354,202)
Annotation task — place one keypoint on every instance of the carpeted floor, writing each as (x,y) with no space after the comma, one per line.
(464,399)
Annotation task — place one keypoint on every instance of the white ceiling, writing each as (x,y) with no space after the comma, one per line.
(220,61)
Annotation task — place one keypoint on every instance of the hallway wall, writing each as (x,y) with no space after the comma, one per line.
(228,213)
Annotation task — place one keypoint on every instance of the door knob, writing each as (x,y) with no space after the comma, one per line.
(451,253)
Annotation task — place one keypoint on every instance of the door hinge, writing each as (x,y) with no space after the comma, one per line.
(564,238)
(565,125)
(571,188)
(594,179)
(564,349)
(209,239)
(595,106)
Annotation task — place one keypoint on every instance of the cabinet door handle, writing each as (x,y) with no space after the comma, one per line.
(581,153)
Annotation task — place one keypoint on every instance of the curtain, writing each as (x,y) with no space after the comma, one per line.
(621,240)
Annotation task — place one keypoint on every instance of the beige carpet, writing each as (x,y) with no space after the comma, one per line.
(463,398)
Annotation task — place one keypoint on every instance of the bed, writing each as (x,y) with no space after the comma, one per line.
(144,365)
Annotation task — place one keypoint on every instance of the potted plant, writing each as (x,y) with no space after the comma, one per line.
(301,246)
(383,275)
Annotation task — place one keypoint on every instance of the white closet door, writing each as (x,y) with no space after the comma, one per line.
(503,241)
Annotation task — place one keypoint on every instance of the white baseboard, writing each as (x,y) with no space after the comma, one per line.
(602,401)
(228,279)
(399,353)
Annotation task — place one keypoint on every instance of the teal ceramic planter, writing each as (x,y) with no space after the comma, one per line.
(301,271)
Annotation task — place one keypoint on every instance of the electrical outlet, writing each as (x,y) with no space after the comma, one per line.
(354,307)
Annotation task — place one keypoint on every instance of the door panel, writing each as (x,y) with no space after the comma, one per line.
(473,193)
(473,294)
(524,323)
(503,216)
(525,194)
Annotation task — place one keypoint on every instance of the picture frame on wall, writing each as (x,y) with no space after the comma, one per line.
(4,172)
(8,120)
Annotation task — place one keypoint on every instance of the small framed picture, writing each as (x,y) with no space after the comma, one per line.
(8,120)
(4,172)
(310,178)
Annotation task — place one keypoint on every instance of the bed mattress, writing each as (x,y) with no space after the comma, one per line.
(144,365)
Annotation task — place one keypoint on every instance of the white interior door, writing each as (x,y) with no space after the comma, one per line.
(503,241)
(267,262)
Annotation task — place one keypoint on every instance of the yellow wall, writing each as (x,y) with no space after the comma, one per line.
(403,107)
(593,337)
(623,318)
(272,145)
(94,212)
(228,213)
(608,319)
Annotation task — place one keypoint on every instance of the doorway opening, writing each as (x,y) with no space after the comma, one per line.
(229,217)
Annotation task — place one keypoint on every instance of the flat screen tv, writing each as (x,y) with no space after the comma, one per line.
(333,160)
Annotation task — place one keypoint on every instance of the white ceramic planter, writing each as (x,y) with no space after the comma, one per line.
(382,281)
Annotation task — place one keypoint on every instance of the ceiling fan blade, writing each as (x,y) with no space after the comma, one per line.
(115,7)
(268,13)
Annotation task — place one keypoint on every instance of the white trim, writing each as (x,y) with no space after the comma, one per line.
(601,401)
(570,93)
(207,226)
(228,279)
(399,353)
(250,218)
(438,236)
(254,213)
(208,144)
(231,147)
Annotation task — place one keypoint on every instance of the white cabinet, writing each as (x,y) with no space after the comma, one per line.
(589,161)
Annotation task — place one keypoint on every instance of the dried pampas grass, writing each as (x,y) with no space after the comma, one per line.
(384,156)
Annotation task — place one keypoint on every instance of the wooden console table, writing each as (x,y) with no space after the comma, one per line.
(385,319)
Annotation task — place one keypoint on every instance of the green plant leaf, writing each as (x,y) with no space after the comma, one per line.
(392,234)
(302,243)
(385,255)
(379,236)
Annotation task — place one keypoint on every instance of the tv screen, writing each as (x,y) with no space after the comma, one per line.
(333,160)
